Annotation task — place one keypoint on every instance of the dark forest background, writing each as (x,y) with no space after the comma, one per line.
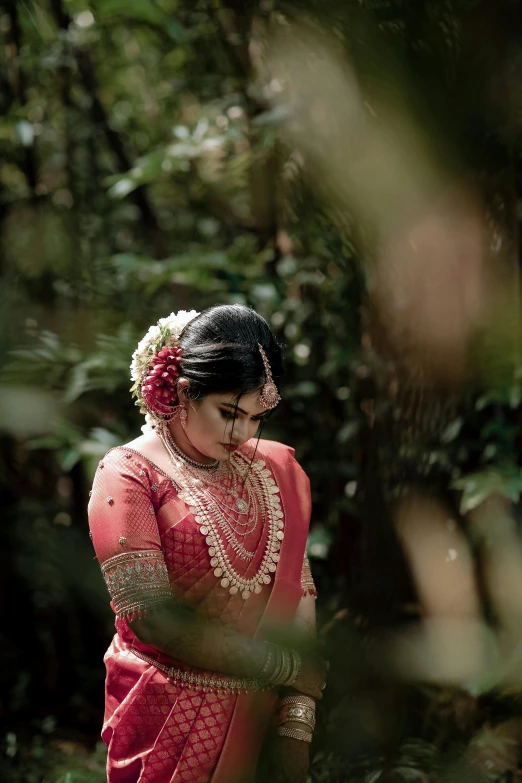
(173,154)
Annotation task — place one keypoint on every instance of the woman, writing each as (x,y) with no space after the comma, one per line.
(200,531)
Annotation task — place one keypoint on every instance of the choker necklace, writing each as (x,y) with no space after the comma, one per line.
(192,462)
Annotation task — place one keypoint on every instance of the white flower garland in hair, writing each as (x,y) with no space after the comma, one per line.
(165,333)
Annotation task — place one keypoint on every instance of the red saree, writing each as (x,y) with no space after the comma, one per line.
(159,729)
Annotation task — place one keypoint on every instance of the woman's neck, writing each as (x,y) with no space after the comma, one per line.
(183,443)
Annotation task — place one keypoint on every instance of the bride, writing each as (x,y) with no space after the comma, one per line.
(200,529)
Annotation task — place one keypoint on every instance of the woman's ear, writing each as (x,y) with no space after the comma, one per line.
(182,387)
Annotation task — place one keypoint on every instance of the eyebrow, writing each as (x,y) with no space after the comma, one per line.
(235,407)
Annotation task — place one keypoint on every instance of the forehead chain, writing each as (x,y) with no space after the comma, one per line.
(269,396)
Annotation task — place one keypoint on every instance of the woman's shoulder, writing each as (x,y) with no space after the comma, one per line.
(281,457)
(275,450)
(142,451)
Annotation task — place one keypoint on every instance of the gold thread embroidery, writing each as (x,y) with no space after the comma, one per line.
(137,581)
(307,580)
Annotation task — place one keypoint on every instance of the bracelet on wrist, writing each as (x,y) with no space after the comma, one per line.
(287,667)
(299,714)
(300,698)
(269,661)
(298,734)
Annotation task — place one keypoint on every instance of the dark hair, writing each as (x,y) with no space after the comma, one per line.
(221,352)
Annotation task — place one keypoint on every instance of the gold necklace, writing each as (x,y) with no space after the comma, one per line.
(210,520)
(198,481)
(241,505)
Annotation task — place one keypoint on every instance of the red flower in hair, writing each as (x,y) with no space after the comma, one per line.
(159,387)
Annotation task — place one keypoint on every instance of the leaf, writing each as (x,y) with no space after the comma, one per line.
(477,487)
(143,11)
(25,133)
(451,431)
(69,459)
(78,383)
(122,187)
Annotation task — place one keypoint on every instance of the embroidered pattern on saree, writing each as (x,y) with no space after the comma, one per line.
(307,580)
(137,582)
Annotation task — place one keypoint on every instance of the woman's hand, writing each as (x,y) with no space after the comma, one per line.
(290,760)
(312,677)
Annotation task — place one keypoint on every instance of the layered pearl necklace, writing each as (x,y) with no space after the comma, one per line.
(216,519)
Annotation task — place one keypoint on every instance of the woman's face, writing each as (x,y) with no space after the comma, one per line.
(220,423)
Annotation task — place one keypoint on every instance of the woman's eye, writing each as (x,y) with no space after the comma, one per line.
(227,415)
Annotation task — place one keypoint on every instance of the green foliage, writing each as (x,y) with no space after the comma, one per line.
(144,171)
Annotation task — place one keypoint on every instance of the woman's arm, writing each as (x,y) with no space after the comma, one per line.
(305,628)
(182,633)
(290,757)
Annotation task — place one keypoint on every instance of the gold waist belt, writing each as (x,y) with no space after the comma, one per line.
(214,683)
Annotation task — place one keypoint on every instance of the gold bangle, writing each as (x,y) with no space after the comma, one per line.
(295,668)
(287,667)
(304,701)
(280,673)
(298,734)
(297,713)
(276,674)
(309,724)
(268,661)
(297,709)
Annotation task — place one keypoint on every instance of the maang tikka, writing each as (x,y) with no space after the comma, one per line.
(269,396)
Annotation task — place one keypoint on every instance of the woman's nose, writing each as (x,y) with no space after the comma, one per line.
(241,432)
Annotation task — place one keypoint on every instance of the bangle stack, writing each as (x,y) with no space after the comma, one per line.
(268,662)
(281,667)
(297,709)
(297,734)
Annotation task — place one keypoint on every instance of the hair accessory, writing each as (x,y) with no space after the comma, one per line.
(269,396)
(159,387)
(155,368)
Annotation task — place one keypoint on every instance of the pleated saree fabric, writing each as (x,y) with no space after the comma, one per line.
(166,721)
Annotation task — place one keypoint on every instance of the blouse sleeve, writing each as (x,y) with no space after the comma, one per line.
(307,581)
(125,535)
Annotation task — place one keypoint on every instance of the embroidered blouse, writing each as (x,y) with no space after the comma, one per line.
(126,520)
